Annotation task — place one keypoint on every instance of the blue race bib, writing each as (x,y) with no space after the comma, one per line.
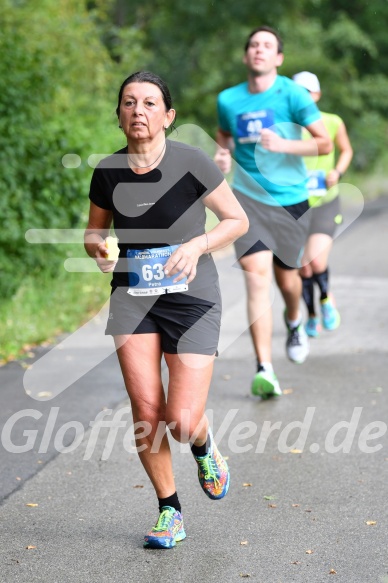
(316,183)
(146,275)
(249,125)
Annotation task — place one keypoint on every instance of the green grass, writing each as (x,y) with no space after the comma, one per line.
(43,308)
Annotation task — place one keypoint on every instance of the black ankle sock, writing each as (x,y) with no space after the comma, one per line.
(201,450)
(308,294)
(170,501)
(322,280)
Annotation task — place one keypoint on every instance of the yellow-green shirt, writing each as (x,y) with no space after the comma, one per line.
(319,166)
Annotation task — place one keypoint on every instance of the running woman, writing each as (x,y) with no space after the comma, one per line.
(165,295)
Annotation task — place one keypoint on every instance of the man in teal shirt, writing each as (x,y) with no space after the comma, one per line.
(261,121)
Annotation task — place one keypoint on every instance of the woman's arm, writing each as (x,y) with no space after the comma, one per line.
(233,224)
(97,230)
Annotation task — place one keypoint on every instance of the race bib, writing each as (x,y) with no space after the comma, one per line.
(146,275)
(316,183)
(249,125)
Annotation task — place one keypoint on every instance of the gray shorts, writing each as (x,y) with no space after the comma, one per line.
(282,230)
(326,218)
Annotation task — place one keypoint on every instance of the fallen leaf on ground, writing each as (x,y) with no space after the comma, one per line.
(295,563)
(332,572)
(244,575)
(138,486)
(18,478)
(45,394)
(32,505)
(29,547)
(272,506)
(296,451)
(309,552)
(272,497)
(371,522)
(295,505)
(244,542)
(308,510)
(247,484)
(288,391)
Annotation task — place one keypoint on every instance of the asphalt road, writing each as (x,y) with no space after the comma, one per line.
(308,470)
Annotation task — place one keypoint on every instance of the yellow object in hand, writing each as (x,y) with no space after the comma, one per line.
(113,249)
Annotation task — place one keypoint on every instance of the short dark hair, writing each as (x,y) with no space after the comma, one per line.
(146,77)
(266,29)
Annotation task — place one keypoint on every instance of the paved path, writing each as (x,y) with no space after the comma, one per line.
(290,516)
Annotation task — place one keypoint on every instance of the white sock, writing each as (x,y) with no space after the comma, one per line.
(267,366)
(294,323)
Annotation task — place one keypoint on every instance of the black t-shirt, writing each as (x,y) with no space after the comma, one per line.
(162,207)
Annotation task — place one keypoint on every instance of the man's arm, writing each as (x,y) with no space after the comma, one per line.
(320,142)
(223,156)
(345,149)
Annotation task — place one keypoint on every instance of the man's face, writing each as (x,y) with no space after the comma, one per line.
(262,55)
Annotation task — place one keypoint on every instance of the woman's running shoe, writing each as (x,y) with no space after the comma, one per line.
(213,472)
(313,327)
(167,531)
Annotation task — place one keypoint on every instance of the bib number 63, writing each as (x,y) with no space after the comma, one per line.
(151,272)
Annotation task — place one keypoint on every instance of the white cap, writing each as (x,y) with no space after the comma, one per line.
(307,80)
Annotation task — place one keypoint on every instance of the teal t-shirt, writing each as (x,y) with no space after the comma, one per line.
(269,177)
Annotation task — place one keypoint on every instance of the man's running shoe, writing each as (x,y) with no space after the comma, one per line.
(330,315)
(297,343)
(313,327)
(213,472)
(265,384)
(167,531)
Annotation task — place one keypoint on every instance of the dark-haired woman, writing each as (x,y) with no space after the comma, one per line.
(165,297)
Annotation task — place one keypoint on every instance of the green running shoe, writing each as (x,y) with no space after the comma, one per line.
(265,384)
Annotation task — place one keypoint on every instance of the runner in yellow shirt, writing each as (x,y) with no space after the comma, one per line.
(324,173)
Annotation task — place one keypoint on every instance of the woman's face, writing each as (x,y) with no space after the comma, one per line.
(143,114)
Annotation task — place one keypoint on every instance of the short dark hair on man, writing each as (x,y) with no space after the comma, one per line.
(266,29)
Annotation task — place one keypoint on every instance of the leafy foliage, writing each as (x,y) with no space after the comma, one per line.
(59,78)
(52,102)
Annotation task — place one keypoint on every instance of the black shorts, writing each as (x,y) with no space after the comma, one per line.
(283,230)
(186,323)
(326,218)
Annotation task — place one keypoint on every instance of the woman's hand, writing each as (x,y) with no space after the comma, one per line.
(104,264)
(184,260)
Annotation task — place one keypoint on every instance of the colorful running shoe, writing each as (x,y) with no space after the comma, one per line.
(167,531)
(313,327)
(213,472)
(297,343)
(330,315)
(265,384)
